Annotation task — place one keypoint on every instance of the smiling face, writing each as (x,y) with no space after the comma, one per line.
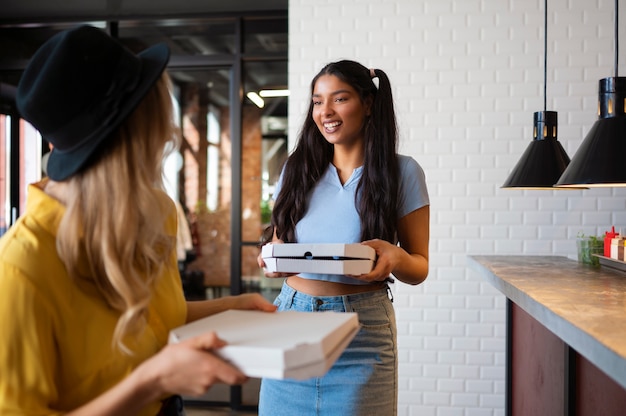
(338,111)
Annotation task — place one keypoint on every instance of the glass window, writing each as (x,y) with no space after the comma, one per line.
(265,140)
(29,168)
(30,159)
(264,150)
(204,169)
(213,157)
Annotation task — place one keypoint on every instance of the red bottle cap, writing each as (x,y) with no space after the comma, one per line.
(612,233)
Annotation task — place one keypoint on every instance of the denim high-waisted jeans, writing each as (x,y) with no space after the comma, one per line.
(362,382)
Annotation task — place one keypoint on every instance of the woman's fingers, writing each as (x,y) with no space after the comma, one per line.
(207,341)
(191,367)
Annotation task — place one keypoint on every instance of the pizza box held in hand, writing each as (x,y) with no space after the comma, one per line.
(331,258)
(278,345)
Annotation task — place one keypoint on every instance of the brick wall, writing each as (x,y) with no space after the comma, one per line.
(468,76)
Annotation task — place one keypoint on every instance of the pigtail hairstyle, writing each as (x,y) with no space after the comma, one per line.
(377,192)
(116,215)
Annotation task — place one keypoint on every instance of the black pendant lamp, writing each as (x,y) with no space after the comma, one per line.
(599,162)
(544,160)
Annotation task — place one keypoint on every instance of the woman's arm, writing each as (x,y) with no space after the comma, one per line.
(204,308)
(409,261)
(414,236)
(187,368)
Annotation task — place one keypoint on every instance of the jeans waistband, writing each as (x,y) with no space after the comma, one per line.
(289,295)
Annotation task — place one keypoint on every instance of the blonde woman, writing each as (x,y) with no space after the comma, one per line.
(88,275)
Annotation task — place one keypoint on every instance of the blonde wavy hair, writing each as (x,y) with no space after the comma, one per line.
(116,214)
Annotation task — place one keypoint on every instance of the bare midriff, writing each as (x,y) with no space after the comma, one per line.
(324,288)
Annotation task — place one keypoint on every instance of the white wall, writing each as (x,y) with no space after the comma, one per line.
(468,76)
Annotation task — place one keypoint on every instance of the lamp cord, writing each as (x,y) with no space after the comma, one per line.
(545,55)
(616,35)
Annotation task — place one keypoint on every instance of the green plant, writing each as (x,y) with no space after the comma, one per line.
(593,238)
(588,245)
(266,212)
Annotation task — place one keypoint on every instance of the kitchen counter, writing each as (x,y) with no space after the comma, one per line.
(584,306)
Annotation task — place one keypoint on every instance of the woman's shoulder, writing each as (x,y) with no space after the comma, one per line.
(406,159)
(413,189)
(409,166)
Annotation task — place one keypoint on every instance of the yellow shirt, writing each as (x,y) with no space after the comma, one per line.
(55,344)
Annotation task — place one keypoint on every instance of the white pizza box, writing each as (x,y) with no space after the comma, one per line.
(324,250)
(331,258)
(295,266)
(278,345)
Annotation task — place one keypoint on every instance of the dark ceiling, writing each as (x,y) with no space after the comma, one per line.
(200,34)
(37,10)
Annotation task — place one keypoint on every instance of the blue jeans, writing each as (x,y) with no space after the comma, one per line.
(362,382)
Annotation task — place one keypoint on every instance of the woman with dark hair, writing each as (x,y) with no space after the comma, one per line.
(345,183)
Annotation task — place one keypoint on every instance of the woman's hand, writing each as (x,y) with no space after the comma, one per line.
(262,264)
(252,301)
(388,256)
(203,308)
(409,261)
(188,368)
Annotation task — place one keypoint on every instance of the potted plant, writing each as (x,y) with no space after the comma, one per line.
(588,245)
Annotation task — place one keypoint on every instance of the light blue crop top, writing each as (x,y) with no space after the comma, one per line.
(331,215)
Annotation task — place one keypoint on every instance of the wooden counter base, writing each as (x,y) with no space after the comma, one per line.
(566,335)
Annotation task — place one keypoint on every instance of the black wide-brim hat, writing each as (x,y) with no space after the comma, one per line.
(79,87)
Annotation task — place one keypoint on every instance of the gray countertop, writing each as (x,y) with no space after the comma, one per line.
(585,306)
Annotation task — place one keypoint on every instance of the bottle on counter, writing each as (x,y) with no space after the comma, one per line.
(617,248)
(608,240)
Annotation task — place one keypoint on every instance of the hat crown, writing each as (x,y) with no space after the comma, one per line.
(78,73)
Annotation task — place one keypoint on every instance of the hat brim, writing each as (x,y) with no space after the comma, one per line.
(62,165)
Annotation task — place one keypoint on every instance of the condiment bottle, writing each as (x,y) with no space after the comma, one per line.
(608,236)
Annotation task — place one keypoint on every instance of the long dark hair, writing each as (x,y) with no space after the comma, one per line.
(377,192)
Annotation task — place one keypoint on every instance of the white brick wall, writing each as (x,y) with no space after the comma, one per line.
(468,76)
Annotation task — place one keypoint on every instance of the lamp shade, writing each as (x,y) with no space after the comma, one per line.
(599,161)
(544,160)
